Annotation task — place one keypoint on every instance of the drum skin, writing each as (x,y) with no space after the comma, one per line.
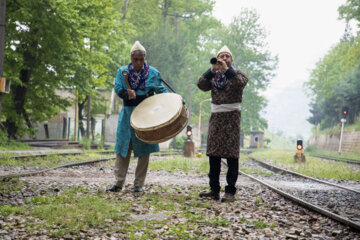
(159,118)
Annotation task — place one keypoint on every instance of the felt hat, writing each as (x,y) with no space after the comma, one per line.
(224,49)
(137,46)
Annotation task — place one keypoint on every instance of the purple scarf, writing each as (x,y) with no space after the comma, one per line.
(220,80)
(137,81)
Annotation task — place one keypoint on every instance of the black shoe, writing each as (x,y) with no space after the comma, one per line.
(138,189)
(113,188)
(228,197)
(210,194)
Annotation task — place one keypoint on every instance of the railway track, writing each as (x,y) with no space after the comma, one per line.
(57,154)
(294,196)
(347,160)
(324,202)
(32,173)
(282,170)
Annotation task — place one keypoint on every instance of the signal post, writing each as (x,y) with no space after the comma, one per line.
(189,146)
(345,111)
(299,156)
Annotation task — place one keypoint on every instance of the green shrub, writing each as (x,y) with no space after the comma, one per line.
(9,144)
(86,143)
(179,142)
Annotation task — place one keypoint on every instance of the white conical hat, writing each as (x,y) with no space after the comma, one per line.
(224,49)
(137,46)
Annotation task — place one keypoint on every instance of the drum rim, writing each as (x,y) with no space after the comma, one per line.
(163,124)
(170,136)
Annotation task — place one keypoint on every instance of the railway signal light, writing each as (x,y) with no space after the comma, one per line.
(189,132)
(189,146)
(345,111)
(299,145)
(299,156)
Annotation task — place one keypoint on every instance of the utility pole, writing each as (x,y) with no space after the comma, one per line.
(343,120)
(2,44)
(190,95)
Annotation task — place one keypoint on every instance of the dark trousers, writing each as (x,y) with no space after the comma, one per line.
(231,176)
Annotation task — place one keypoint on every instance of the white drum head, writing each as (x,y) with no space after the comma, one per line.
(156,111)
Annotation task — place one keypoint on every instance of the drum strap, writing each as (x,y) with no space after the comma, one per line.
(137,100)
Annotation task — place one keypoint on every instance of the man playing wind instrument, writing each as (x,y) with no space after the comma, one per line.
(142,81)
(226,85)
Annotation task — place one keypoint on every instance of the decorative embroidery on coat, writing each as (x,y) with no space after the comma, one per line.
(137,81)
(220,80)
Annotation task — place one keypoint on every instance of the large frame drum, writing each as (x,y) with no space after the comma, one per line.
(159,118)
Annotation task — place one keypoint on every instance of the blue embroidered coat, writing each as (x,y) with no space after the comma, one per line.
(125,133)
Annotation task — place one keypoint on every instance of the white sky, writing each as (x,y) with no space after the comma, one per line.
(300,32)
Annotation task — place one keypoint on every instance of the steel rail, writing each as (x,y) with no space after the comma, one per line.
(9,176)
(301,202)
(271,167)
(347,160)
(52,154)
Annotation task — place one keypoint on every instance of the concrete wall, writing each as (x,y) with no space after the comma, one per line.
(350,142)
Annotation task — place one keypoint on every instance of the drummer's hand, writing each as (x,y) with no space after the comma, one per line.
(132,94)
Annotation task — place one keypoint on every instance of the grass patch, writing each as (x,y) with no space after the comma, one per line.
(52,160)
(314,167)
(76,210)
(13,185)
(337,128)
(14,145)
(332,154)
(352,127)
(260,224)
(255,171)
(71,211)
(181,164)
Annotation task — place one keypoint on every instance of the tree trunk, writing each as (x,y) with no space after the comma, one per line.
(124,8)
(165,10)
(88,117)
(18,94)
(81,117)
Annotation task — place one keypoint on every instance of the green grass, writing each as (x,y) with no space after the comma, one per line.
(13,185)
(48,161)
(337,128)
(13,145)
(181,164)
(314,167)
(352,127)
(77,209)
(348,155)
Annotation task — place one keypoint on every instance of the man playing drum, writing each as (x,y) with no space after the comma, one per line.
(226,85)
(143,81)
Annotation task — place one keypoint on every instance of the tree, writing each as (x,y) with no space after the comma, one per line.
(245,37)
(350,10)
(48,46)
(332,83)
